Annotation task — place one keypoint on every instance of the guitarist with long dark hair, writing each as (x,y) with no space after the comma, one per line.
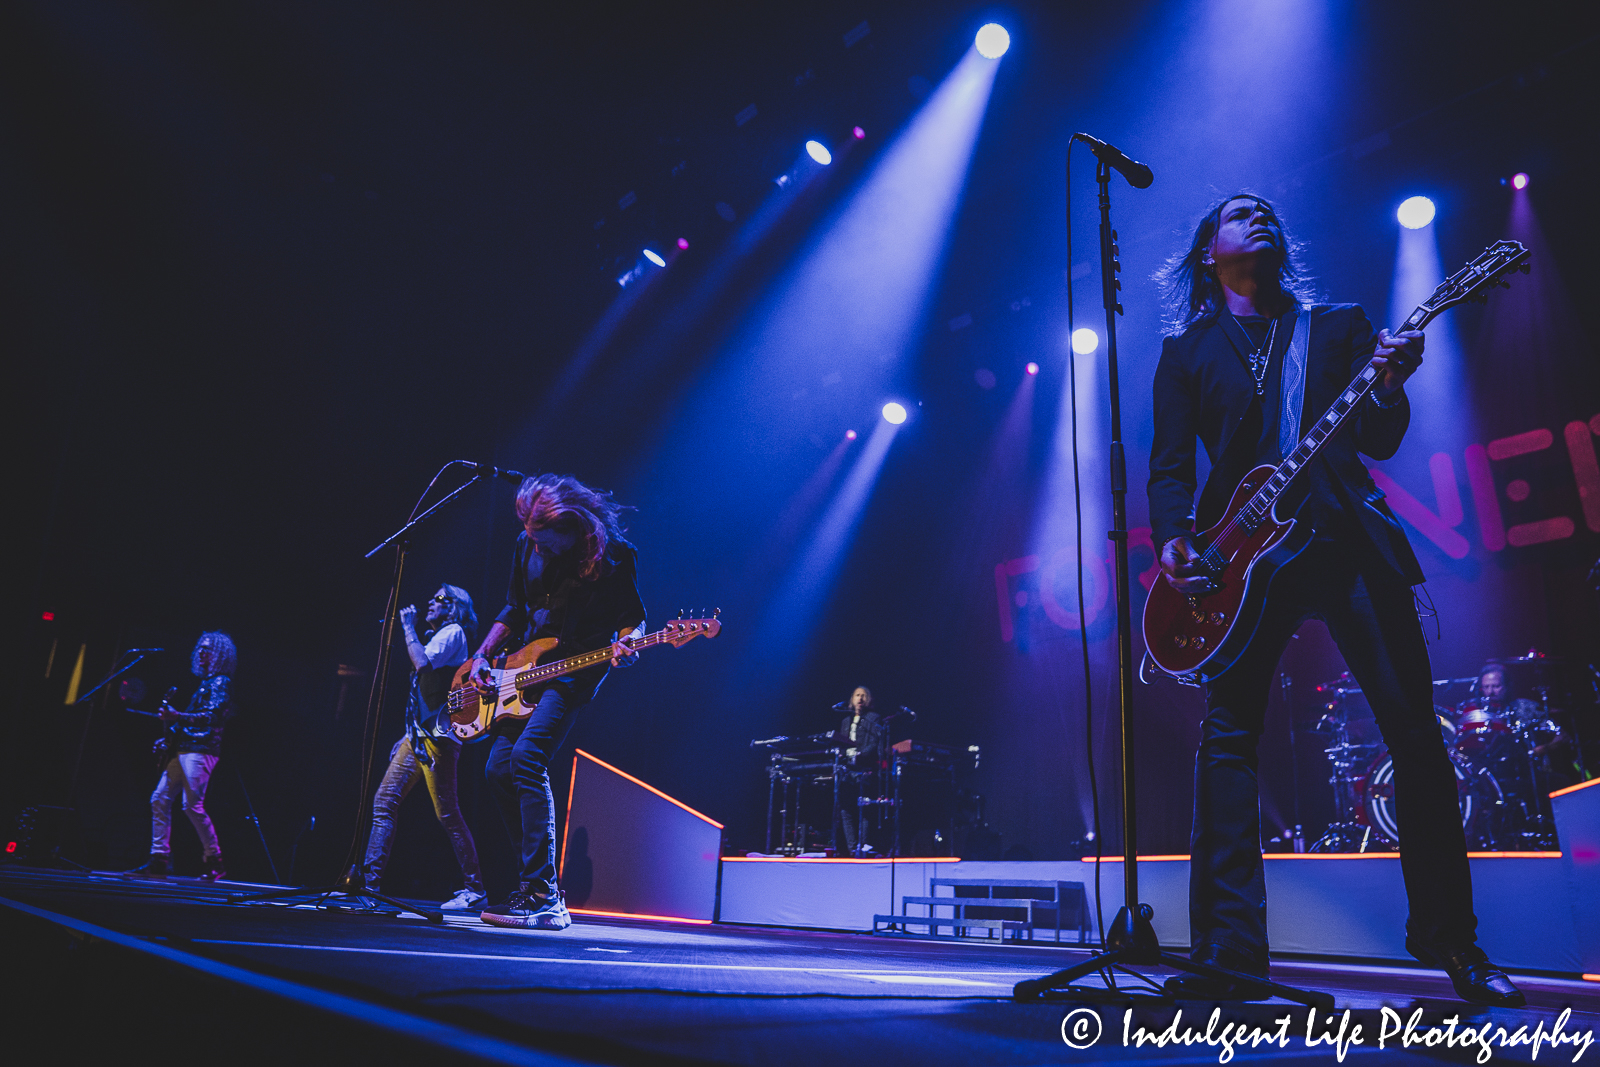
(573,579)
(1249,365)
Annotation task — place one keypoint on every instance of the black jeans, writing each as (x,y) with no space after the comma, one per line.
(518,770)
(1371,614)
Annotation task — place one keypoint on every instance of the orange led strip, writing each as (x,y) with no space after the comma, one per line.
(842,859)
(1352,856)
(631,915)
(644,785)
(1575,788)
(566,829)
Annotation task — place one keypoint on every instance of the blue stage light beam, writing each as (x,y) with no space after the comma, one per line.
(828,342)
(1437,390)
(1055,525)
(810,582)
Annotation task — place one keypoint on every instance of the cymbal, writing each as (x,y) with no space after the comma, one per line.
(1533,658)
(1345,683)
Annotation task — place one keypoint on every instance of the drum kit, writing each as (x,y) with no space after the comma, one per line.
(1497,747)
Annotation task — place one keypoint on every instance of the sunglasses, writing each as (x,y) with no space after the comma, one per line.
(440,598)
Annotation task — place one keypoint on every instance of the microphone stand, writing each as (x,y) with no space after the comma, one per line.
(1132,938)
(83,737)
(350,883)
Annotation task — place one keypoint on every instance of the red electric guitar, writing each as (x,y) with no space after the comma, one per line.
(1198,636)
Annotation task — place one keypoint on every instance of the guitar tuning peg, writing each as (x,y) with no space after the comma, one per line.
(715,612)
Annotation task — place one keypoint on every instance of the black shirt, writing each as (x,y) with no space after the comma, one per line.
(547,598)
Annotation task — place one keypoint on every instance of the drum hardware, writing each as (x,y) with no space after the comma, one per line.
(1349,831)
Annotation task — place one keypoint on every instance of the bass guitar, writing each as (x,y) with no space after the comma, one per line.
(1196,636)
(511,677)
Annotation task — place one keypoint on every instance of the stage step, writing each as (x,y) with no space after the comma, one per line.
(933,924)
(1058,897)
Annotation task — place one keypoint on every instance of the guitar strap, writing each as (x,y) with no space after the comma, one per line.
(1293,397)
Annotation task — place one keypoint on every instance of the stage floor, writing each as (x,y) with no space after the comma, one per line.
(625,991)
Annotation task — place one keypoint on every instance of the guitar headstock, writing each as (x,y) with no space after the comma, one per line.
(680,631)
(1474,281)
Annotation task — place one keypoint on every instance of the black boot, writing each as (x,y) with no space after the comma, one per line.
(1476,980)
(212,870)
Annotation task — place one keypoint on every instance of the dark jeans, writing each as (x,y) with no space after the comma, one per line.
(403,773)
(519,776)
(851,787)
(1371,614)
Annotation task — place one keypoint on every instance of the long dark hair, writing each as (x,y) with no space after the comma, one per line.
(560,500)
(1189,286)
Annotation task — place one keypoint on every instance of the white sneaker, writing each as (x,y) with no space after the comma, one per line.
(464,900)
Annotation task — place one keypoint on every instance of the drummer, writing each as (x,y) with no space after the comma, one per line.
(1553,749)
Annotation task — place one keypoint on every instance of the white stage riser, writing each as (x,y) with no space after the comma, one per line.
(1528,912)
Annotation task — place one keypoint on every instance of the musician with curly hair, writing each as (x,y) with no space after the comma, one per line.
(190,748)
(573,578)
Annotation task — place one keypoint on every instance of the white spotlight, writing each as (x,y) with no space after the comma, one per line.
(819,152)
(1415,212)
(652,257)
(992,41)
(1084,340)
(895,413)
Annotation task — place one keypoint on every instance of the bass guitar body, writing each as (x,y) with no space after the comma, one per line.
(1197,636)
(472,716)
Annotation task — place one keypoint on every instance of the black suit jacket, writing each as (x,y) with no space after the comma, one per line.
(869,736)
(1204,391)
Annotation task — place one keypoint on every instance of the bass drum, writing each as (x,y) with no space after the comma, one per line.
(1378,796)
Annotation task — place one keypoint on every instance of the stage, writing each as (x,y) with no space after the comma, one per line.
(93,962)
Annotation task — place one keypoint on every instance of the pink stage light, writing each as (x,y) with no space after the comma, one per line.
(1519,181)
(1033,368)
(683,244)
(849,435)
(859,133)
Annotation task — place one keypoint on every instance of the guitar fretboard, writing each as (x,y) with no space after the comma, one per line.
(1259,508)
(545,671)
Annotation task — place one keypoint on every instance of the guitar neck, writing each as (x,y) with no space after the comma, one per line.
(1261,504)
(556,669)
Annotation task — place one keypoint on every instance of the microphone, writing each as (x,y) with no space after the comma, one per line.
(907,711)
(841,705)
(1138,175)
(484,470)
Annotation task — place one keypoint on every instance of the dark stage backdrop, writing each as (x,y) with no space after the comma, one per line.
(268,266)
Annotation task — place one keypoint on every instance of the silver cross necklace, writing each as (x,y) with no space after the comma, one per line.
(1260,358)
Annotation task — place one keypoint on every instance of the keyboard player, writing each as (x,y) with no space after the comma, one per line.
(860,738)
